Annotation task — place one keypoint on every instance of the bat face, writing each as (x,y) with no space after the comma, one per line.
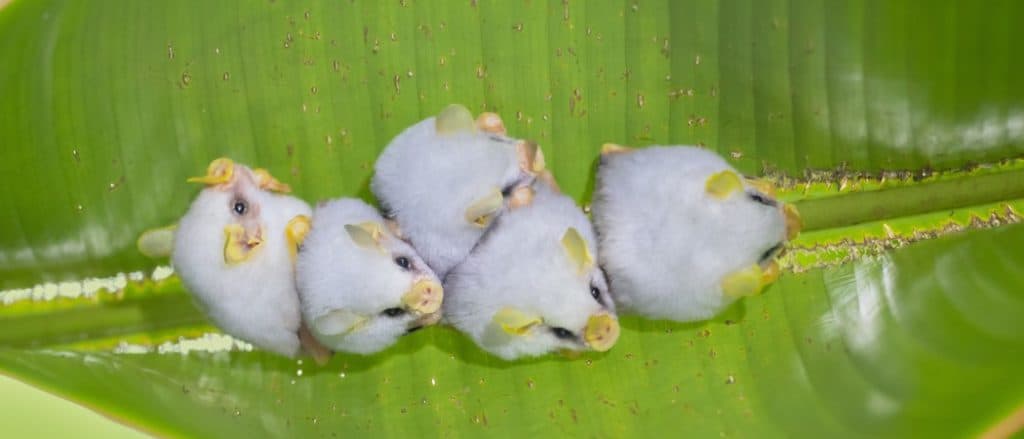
(533,285)
(682,234)
(361,286)
(233,251)
(445,180)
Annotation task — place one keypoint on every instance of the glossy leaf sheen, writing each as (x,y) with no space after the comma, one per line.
(108,106)
(881,348)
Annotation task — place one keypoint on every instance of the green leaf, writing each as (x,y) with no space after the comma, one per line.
(886,347)
(886,122)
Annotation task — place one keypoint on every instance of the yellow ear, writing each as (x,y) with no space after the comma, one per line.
(266,181)
(614,148)
(750,281)
(514,321)
(723,184)
(219,171)
(366,235)
(295,232)
(338,322)
(576,248)
(454,118)
(483,211)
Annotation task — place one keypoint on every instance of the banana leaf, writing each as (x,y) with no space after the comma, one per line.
(888,123)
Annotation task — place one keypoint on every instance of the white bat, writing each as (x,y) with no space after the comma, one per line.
(682,235)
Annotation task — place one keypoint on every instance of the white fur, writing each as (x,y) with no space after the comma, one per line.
(666,244)
(334,273)
(426,181)
(521,263)
(254,300)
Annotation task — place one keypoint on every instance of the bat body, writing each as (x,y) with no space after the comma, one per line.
(446,178)
(234,250)
(532,285)
(361,287)
(682,235)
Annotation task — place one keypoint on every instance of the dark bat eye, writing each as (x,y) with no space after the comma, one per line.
(563,333)
(240,207)
(596,293)
(758,197)
(393,312)
(403,262)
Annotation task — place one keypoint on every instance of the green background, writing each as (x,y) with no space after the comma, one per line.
(886,122)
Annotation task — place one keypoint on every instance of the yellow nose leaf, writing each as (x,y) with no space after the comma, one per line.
(793,221)
(238,247)
(745,282)
(531,157)
(424,298)
(601,332)
(514,321)
(769,273)
(483,211)
(219,171)
(266,181)
(723,184)
(520,197)
(295,232)
(453,119)
(576,249)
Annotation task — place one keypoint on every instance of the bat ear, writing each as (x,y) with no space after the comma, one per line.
(295,232)
(483,211)
(750,281)
(515,322)
(218,172)
(531,157)
(614,148)
(453,119)
(723,184)
(157,243)
(266,181)
(491,123)
(366,235)
(338,322)
(576,249)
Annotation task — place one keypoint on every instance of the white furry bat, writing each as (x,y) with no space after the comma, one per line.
(445,179)
(360,286)
(682,235)
(532,285)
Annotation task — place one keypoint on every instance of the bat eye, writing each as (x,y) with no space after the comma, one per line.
(393,312)
(596,293)
(563,333)
(756,196)
(403,262)
(240,207)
